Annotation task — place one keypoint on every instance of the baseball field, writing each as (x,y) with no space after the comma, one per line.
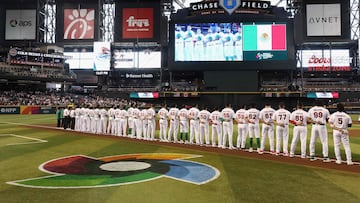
(40,163)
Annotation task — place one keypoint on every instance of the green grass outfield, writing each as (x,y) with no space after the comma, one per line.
(242,179)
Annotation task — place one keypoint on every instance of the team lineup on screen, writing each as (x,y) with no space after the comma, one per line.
(230,42)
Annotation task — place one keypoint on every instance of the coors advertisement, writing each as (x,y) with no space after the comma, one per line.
(79,24)
(138,23)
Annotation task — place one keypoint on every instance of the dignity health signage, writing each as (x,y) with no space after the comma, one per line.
(20,25)
(323,20)
(138,23)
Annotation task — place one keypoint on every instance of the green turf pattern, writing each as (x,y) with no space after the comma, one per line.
(87,180)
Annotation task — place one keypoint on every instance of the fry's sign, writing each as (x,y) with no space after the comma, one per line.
(138,23)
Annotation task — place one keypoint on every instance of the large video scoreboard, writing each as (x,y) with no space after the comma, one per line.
(206,37)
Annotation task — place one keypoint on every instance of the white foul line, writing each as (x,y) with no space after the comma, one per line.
(36,140)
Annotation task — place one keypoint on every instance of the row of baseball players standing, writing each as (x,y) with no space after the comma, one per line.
(115,121)
(194,127)
(248,123)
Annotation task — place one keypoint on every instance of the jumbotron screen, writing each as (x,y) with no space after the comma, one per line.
(230,42)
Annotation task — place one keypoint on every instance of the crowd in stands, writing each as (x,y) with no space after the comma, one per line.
(53,98)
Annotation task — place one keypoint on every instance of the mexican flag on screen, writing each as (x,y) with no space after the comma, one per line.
(264,37)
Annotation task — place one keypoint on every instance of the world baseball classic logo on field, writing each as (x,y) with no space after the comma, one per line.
(81,171)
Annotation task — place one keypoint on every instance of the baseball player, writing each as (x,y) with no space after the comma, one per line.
(210,50)
(189,44)
(144,123)
(103,121)
(66,117)
(218,44)
(238,45)
(204,116)
(319,116)
(179,44)
(111,123)
(131,123)
(194,125)
(122,125)
(92,125)
(216,127)
(137,123)
(242,127)
(72,118)
(117,122)
(199,46)
(174,123)
(150,116)
(252,117)
(340,122)
(228,39)
(184,125)
(267,127)
(96,121)
(228,115)
(163,123)
(87,121)
(299,118)
(77,118)
(281,118)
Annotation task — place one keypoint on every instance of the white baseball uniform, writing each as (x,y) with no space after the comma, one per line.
(144,123)
(150,116)
(267,128)
(299,118)
(340,122)
(131,123)
(204,116)
(252,115)
(77,119)
(102,122)
(137,123)
(122,125)
(163,123)
(242,128)
(174,123)
(216,128)
(319,116)
(111,124)
(228,126)
(194,125)
(184,123)
(282,117)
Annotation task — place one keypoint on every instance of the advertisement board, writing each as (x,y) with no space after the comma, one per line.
(325,60)
(323,19)
(102,56)
(9,110)
(138,23)
(20,24)
(79,24)
(132,56)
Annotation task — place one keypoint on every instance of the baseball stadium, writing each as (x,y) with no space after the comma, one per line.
(157,101)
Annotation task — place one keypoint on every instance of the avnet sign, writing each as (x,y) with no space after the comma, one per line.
(323,19)
(20,24)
